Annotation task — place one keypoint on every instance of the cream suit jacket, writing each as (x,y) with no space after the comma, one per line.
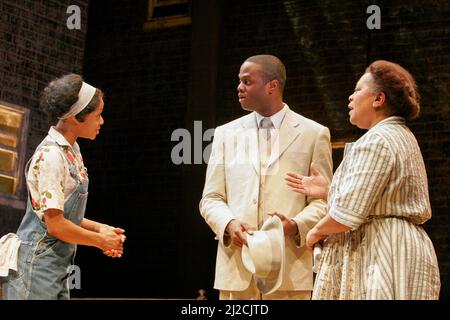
(232,188)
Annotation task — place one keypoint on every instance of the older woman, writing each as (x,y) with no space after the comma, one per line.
(57,182)
(374,246)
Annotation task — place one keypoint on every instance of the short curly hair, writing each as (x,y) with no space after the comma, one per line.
(399,86)
(60,94)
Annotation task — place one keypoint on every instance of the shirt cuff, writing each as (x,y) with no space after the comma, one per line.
(302,232)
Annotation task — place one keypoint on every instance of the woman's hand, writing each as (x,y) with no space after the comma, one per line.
(315,186)
(313,237)
(111,234)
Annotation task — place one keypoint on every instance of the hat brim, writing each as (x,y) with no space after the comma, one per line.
(273,281)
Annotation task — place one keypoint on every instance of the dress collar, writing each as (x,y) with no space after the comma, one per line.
(60,140)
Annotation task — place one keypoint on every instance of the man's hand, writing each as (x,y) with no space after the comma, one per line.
(236,230)
(289,226)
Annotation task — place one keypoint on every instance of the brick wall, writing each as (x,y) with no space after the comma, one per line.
(35,47)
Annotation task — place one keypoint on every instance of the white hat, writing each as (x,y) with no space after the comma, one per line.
(264,255)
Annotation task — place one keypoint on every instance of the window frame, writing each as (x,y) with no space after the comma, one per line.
(156,23)
(18,199)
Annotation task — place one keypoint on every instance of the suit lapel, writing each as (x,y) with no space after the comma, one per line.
(289,131)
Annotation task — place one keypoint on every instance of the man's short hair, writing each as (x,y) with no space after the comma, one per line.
(271,67)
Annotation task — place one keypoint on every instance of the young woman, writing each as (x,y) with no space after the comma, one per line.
(57,182)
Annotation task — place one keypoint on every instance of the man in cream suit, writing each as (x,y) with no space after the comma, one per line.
(245,181)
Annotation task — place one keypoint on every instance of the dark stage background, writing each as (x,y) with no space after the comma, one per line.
(156,81)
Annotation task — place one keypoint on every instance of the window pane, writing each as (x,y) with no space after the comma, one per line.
(7,184)
(11,120)
(7,161)
(9,127)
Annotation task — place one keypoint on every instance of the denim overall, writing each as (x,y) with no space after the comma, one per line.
(43,260)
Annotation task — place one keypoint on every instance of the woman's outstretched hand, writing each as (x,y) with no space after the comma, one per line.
(315,186)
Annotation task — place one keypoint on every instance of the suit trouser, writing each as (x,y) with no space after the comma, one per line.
(253,293)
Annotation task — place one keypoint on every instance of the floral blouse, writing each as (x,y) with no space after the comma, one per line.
(49,180)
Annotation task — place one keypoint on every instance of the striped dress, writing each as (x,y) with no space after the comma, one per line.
(380,190)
